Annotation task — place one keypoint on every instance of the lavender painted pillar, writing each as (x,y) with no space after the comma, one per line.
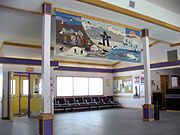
(46,117)
(148,108)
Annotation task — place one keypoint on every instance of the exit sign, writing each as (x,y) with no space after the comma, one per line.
(29,69)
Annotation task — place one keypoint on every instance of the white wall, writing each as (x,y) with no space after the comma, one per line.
(108,90)
(131,102)
(23,52)
(158,52)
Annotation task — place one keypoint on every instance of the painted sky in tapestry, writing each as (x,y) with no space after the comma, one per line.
(81,37)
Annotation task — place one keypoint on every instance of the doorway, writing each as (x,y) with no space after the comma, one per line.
(164,80)
(25,94)
(19,96)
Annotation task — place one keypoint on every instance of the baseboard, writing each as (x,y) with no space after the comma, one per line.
(172,110)
(4,118)
(129,107)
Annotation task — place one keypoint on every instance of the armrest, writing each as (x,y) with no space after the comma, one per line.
(86,101)
(68,103)
(102,101)
(94,100)
(77,101)
(110,100)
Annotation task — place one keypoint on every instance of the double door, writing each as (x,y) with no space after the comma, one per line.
(25,95)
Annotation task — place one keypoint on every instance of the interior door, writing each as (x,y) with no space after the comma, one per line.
(24,89)
(35,95)
(15,95)
(164,86)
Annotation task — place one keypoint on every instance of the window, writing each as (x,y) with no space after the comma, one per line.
(64,86)
(13,87)
(175,81)
(79,86)
(37,86)
(40,88)
(95,86)
(25,87)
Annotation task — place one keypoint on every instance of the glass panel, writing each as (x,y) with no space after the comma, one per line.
(80,86)
(25,87)
(95,86)
(174,82)
(13,87)
(37,85)
(64,86)
(40,88)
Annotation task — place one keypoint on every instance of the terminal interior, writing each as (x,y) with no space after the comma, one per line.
(89,67)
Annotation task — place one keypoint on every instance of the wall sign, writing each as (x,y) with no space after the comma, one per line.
(29,69)
(77,36)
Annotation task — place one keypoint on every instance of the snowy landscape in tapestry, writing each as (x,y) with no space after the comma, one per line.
(81,37)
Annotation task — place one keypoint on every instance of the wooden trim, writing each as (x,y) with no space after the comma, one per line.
(21,45)
(7,43)
(124,96)
(154,43)
(131,13)
(130,107)
(175,44)
(76,62)
(116,63)
(1,48)
(21,10)
(166,42)
(96,18)
(46,116)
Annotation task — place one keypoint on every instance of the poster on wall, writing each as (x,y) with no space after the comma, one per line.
(77,36)
(123,85)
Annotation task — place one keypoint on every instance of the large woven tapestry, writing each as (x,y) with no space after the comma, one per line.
(82,37)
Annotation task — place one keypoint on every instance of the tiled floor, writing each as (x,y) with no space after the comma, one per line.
(101,122)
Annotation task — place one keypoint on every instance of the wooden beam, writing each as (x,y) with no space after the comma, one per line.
(166,42)
(84,62)
(1,48)
(131,13)
(154,43)
(175,44)
(96,18)
(116,63)
(23,45)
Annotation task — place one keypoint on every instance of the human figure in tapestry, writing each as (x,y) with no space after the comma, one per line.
(105,38)
(82,37)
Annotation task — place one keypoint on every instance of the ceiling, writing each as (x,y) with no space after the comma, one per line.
(172,5)
(25,27)
(157,32)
